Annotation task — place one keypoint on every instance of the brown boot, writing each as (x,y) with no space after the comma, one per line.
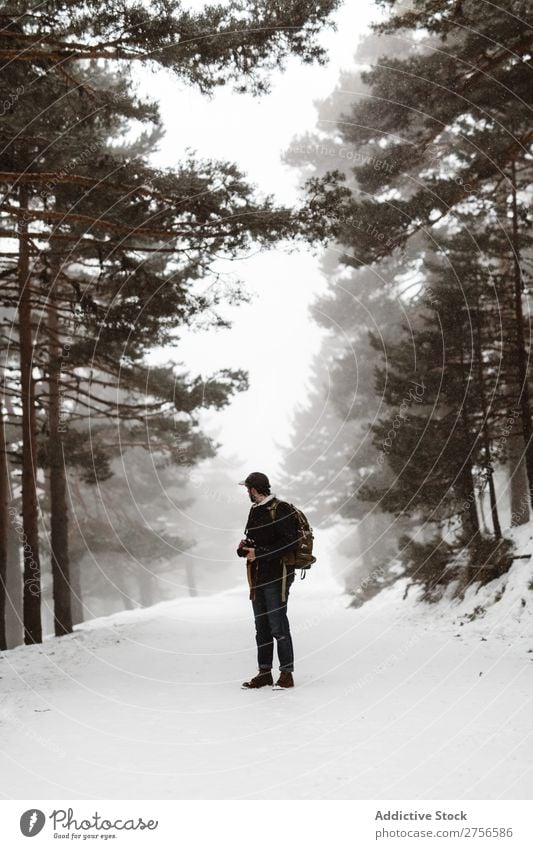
(262,679)
(285,680)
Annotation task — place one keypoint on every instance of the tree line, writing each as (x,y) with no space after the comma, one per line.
(106,257)
(427,362)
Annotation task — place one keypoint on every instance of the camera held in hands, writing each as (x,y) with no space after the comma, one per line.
(244,545)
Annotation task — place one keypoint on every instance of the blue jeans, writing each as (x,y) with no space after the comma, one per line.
(271,624)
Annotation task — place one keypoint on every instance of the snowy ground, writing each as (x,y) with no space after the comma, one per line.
(393,700)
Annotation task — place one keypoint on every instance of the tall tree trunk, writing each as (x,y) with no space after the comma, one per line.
(471,531)
(465,478)
(76,595)
(521,350)
(4,525)
(481,507)
(146,586)
(469,516)
(518,485)
(14,615)
(494,506)
(362,566)
(30,513)
(76,601)
(58,499)
(484,426)
(191,579)
(127,601)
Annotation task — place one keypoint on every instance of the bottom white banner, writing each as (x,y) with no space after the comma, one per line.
(502,824)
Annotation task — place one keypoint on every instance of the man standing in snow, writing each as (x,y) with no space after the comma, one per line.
(271,532)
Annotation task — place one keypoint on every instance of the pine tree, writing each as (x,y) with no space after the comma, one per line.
(332,456)
(451,125)
(208,48)
(103,234)
(316,471)
(447,384)
(4,525)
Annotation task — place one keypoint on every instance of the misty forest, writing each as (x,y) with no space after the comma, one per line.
(409,442)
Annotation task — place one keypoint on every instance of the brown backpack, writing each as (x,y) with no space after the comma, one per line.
(302,556)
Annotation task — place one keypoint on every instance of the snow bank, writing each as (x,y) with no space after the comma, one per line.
(503,607)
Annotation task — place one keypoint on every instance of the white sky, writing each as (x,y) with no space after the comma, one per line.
(273,337)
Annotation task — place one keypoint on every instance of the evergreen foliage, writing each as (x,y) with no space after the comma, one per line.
(432,212)
(107,257)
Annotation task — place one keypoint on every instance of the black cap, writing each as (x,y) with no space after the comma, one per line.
(258,480)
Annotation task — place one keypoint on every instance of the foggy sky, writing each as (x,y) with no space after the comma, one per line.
(272,337)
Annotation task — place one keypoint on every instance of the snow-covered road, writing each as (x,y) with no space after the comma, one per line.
(392,701)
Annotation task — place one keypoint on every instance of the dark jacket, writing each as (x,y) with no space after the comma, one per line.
(272,540)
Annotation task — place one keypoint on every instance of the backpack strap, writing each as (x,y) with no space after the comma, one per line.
(284,584)
(271,507)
